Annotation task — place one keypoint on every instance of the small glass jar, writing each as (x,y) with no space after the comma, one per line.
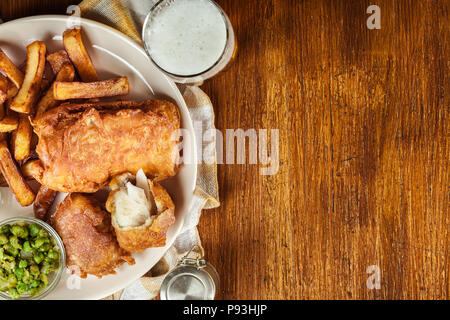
(228,54)
(54,277)
(192,279)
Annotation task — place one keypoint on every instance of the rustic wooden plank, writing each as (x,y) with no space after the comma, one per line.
(14,9)
(423,149)
(346,113)
(313,197)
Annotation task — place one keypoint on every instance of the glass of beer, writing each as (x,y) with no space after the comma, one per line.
(189,40)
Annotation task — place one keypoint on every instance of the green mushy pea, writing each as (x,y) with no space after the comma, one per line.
(28,254)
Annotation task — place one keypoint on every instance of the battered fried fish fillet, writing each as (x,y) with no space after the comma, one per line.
(82,146)
(141,214)
(85,228)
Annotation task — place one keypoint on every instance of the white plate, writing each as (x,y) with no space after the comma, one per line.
(113,54)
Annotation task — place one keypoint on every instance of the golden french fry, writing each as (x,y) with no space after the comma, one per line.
(24,101)
(3,89)
(86,90)
(12,90)
(57,60)
(43,202)
(21,138)
(66,73)
(73,43)
(3,94)
(13,177)
(9,123)
(48,77)
(33,170)
(10,70)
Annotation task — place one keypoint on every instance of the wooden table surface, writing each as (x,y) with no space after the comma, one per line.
(364,150)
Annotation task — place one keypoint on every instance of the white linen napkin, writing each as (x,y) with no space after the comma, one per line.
(206,196)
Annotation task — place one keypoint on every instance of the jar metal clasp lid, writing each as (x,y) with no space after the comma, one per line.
(198,262)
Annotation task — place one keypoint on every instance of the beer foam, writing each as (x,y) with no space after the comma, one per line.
(186,37)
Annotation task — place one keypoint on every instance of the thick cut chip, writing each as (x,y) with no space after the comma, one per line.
(76,50)
(98,89)
(3,90)
(10,70)
(58,59)
(21,138)
(25,99)
(9,123)
(43,202)
(12,90)
(3,94)
(13,177)
(66,73)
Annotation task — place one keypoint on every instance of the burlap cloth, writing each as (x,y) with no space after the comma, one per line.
(128,17)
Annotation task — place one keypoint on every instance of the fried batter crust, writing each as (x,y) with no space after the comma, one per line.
(85,228)
(82,146)
(153,232)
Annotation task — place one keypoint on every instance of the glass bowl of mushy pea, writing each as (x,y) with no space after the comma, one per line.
(32,259)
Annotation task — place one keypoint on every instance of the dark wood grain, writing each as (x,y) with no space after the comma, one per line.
(364,179)
(364,149)
(13,9)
